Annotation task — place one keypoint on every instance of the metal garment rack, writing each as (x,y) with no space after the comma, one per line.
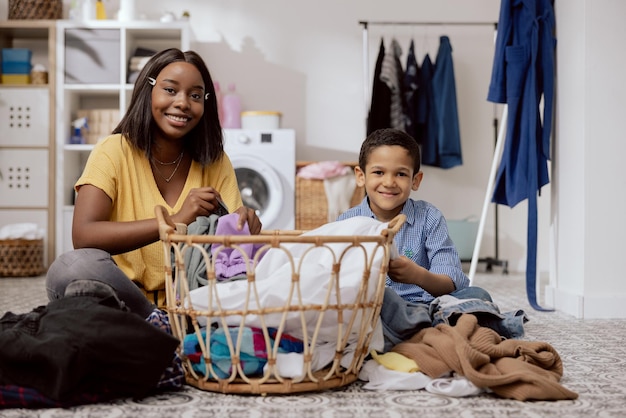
(498,133)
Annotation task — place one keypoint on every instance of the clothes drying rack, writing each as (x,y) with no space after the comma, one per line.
(498,134)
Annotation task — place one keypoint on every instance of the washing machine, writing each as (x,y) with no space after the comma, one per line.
(265,164)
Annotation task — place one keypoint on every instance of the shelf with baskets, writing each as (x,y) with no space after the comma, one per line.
(94,81)
(27,138)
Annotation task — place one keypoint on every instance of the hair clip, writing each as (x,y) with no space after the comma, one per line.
(206,96)
(152,81)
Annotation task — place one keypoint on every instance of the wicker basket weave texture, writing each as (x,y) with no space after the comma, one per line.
(35,9)
(21,257)
(312,205)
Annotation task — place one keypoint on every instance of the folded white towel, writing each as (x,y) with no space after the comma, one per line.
(339,191)
(26,230)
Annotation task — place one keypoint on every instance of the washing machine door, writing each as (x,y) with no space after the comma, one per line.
(261,188)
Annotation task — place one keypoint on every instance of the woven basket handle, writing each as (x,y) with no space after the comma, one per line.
(166,225)
(394,226)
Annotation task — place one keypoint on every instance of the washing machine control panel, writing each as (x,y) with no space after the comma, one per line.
(242,138)
(256,138)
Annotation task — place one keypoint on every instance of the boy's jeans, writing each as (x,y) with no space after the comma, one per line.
(401,319)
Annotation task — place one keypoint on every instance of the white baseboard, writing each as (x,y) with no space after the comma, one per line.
(586,307)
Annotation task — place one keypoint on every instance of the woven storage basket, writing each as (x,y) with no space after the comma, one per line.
(21,257)
(330,336)
(35,9)
(311,202)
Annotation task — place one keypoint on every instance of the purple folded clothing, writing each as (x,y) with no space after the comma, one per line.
(230,262)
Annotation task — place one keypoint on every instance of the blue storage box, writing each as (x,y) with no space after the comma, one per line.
(463,233)
(16,55)
(11,67)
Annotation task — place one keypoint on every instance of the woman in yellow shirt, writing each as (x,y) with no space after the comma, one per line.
(167,150)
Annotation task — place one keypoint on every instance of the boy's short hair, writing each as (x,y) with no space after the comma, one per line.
(389,137)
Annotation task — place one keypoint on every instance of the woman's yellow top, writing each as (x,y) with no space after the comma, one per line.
(125,175)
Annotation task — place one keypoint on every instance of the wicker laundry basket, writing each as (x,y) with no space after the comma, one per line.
(21,257)
(311,202)
(340,326)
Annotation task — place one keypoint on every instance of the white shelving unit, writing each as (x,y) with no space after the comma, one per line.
(27,126)
(98,81)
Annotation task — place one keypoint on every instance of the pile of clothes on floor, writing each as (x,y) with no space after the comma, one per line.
(84,349)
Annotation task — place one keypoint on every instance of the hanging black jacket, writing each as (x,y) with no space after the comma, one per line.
(380,109)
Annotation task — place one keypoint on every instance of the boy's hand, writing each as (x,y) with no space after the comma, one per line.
(404,270)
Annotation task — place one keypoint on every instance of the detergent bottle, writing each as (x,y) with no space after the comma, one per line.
(77,133)
(219,96)
(101,13)
(231,107)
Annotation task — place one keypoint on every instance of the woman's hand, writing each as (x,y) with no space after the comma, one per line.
(249,215)
(202,201)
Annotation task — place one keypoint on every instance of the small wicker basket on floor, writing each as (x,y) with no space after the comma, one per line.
(341,326)
(311,201)
(21,257)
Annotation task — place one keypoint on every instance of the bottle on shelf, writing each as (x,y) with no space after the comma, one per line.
(219,96)
(88,9)
(231,106)
(127,11)
(101,13)
(77,133)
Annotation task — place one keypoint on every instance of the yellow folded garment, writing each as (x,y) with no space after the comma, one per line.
(396,361)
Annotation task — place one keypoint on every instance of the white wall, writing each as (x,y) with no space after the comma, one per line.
(589,174)
(305,59)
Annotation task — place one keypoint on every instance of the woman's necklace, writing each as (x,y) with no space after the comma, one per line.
(176,161)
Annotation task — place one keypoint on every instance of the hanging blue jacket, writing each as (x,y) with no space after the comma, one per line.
(523,72)
(426,114)
(447,115)
(441,146)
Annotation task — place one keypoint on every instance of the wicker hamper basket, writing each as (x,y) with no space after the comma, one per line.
(235,325)
(35,9)
(21,257)
(311,202)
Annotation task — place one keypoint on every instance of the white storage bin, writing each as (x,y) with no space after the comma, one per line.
(24,180)
(24,117)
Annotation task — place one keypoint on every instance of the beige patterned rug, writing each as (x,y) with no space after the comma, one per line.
(593,354)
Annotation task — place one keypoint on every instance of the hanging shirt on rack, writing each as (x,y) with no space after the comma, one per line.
(411,87)
(392,74)
(426,115)
(444,93)
(379,114)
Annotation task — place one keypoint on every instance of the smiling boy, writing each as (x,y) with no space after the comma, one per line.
(429,265)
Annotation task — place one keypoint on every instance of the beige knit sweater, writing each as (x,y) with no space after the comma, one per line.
(516,369)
